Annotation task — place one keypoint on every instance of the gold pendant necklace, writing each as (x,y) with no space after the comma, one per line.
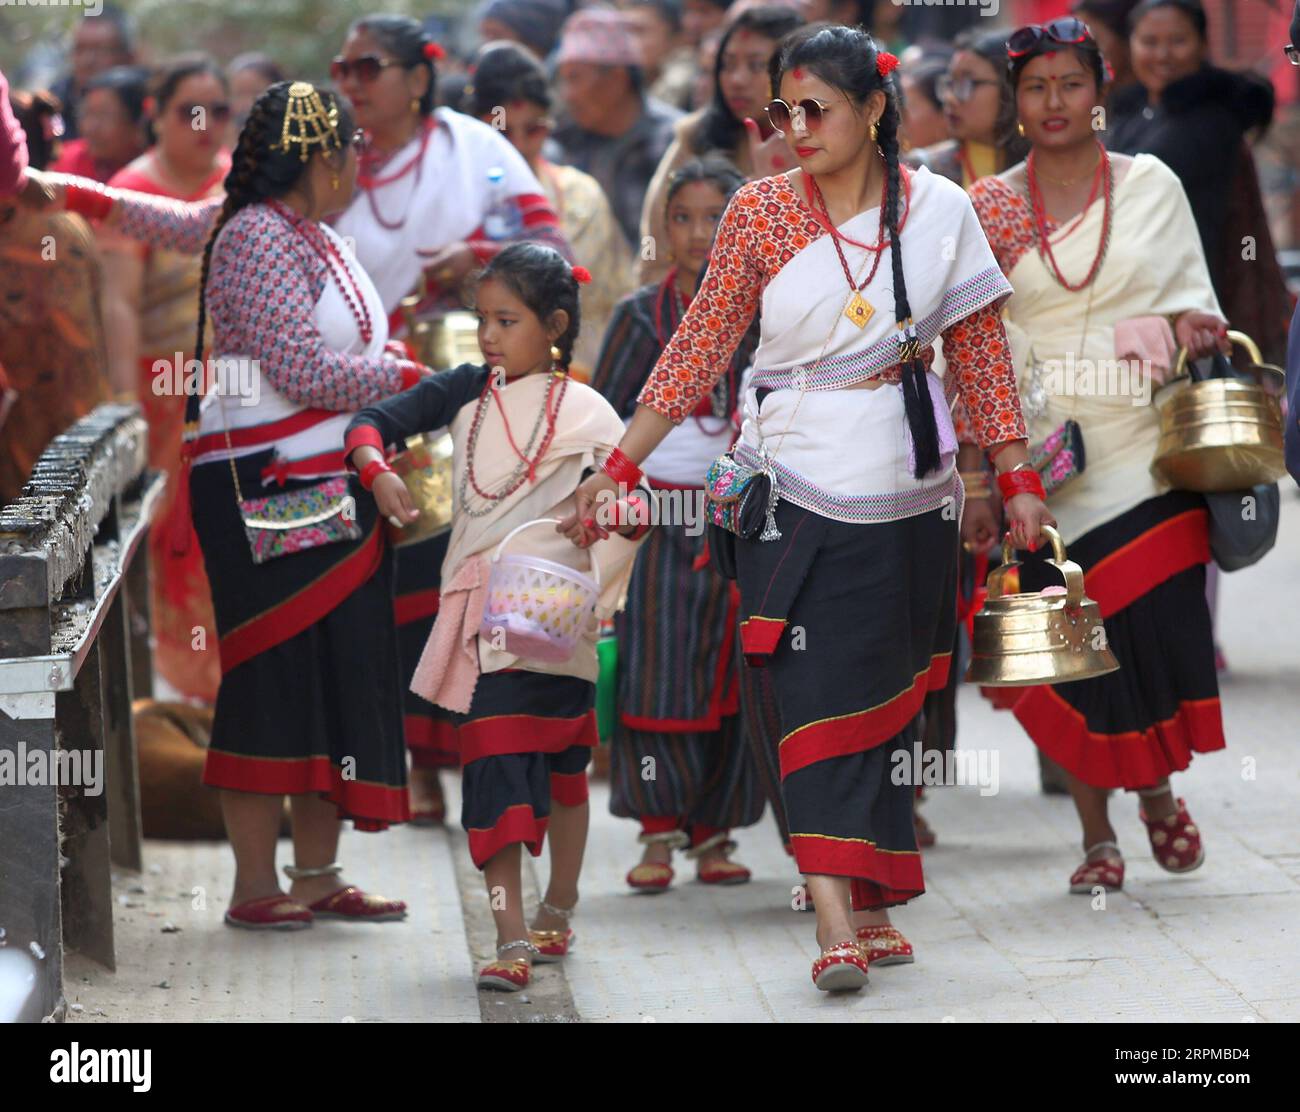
(859,310)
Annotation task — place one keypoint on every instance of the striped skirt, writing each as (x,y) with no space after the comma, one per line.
(525,744)
(856,625)
(1132,728)
(678,756)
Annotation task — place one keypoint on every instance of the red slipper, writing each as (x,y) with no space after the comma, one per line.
(1175,840)
(270,913)
(650,877)
(352,903)
(886,946)
(841,968)
(552,946)
(1106,873)
(724,872)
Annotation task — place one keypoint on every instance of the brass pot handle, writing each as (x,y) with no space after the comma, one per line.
(1070,571)
(1239,338)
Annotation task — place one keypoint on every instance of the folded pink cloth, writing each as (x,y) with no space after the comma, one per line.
(13,146)
(1150,340)
(448,670)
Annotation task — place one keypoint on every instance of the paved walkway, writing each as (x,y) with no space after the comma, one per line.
(997,935)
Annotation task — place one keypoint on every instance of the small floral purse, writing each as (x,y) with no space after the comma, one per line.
(741,499)
(298,520)
(1060,457)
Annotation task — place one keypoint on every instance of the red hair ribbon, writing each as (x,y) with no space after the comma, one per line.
(885,63)
(434,52)
(581,275)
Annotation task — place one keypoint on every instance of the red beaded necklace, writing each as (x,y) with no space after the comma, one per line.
(527,473)
(1101,176)
(334,261)
(369,181)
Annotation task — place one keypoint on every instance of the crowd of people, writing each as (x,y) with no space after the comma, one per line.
(833,255)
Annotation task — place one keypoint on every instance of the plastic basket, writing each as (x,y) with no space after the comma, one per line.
(537,608)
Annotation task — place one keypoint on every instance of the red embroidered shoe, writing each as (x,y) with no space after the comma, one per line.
(886,946)
(270,913)
(507,976)
(352,903)
(1175,840)
(1107,872)
(552,946)
(650,877)
(841,968)
(723,872)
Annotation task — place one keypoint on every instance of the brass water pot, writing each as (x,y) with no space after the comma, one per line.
(444,341)
(425,467)
(1220,434)
(1026,639)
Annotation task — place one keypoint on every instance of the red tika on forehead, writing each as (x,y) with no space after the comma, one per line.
(798,74)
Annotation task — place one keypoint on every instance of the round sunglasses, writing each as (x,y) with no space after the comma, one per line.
(804,115)
(367,68)
(1067,31)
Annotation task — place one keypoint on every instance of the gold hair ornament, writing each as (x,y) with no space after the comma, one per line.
(307,122)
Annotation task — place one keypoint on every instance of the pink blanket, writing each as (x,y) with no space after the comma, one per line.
(448,670)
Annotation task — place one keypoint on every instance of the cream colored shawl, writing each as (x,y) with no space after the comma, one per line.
(586,429)
(1154,266)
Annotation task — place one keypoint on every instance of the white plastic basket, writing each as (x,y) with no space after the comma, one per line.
(537,608)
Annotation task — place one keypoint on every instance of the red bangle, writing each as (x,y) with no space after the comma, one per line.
(1011,483)
(373,468)
(94,202)
(621,469)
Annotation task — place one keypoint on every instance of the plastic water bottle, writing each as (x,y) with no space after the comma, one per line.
(502,219)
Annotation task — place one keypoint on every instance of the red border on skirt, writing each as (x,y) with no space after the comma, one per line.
(1125,575)
(501,734)
(303,609)
(880,878)
(569,789)
(432,741)
(516,824)
(864,729)
(416,605)
(370,806)
(1134,759)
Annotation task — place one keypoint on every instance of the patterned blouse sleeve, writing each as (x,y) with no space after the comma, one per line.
(182,226)
(702,346)
(979,360)
(262,293)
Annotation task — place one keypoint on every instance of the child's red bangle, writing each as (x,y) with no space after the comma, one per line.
(1011,483)
(621,469)
(94,202)
(371,470)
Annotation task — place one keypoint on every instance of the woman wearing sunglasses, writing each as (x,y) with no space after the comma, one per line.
(508,76)
(150,302)
(858,265)
(733,123)
(1109,274)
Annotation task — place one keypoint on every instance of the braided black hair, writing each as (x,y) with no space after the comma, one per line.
(541,278)
(405,40)
(715,169)
(845,58)
(258,173)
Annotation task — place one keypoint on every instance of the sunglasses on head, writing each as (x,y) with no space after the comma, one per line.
(218,113)
(367,68)
(804,115)
(1292,54)
(1068,31)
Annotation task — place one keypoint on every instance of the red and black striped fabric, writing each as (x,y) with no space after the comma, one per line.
(525,744)
(856,625)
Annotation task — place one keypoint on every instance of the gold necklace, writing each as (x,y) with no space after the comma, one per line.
(1070,181)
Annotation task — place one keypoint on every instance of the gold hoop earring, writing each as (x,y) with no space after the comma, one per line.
(1020,128)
